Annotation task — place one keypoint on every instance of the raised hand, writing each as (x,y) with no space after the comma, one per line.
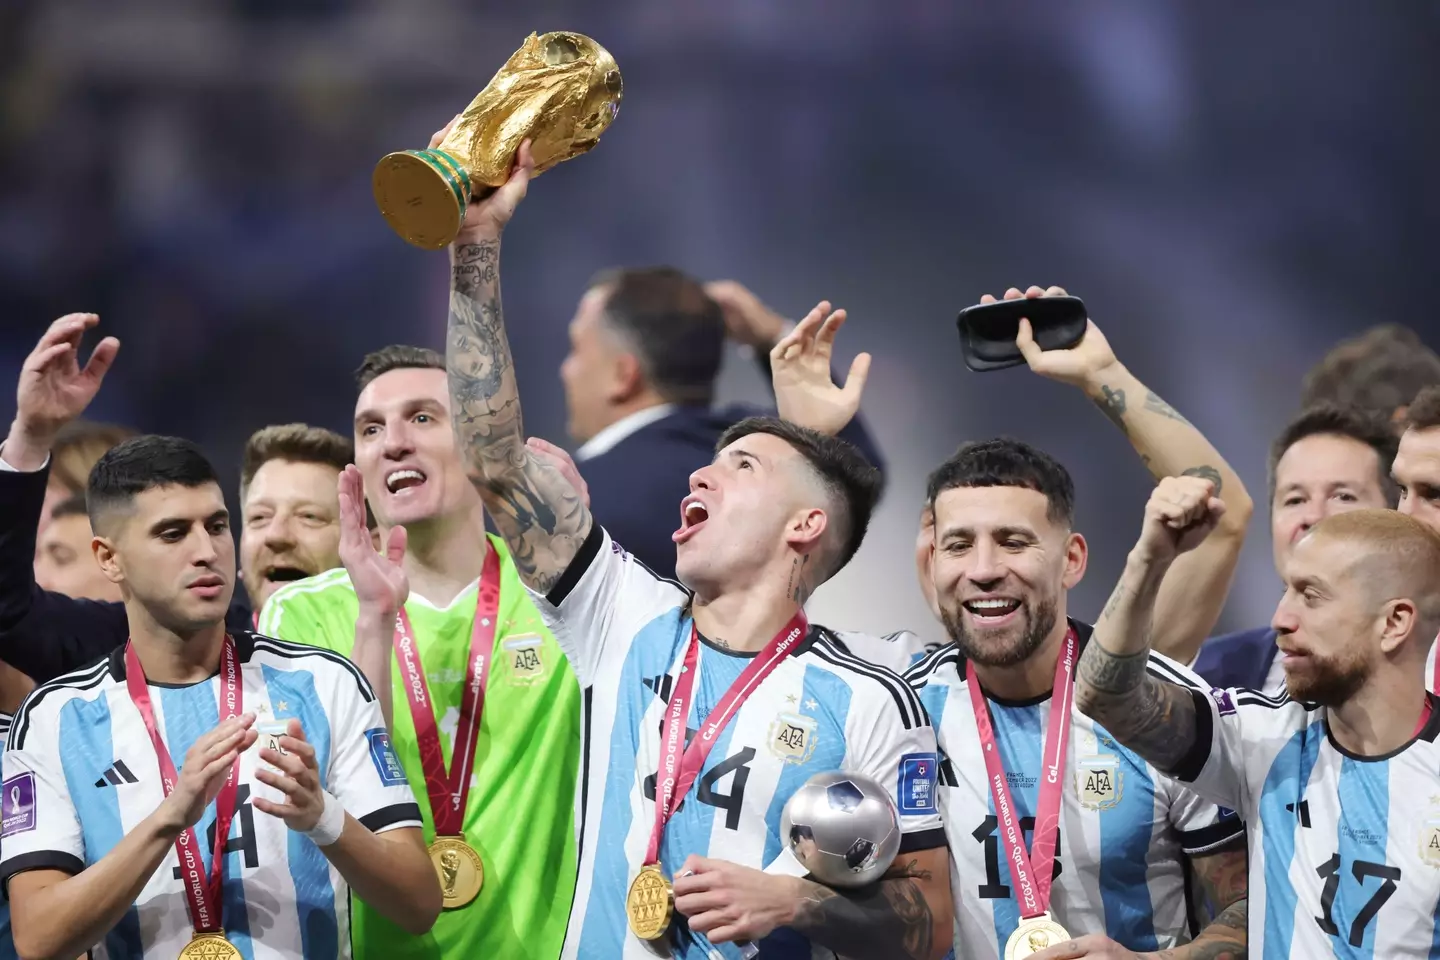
(380,582)
(486,216)
(298,778)
(747,320)
(204,769)
(1181,513)
(54,389)
(800,371)
(562,461)
(1085,363)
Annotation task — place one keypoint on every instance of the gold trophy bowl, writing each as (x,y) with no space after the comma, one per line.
(559,90)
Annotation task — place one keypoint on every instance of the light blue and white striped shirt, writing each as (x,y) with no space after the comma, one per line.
(80,771)
(1123,824)
(1344,849)
(625,632)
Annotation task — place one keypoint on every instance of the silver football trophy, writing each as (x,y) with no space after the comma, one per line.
(843,828)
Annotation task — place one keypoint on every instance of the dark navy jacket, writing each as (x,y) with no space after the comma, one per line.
(1240,659)
(636,486)
(45,634)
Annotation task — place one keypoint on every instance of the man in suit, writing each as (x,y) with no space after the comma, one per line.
(1328,460)
(645,349)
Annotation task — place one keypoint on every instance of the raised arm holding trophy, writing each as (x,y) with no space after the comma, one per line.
(559,91)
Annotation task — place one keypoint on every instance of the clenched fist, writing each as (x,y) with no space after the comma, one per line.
(1180,515)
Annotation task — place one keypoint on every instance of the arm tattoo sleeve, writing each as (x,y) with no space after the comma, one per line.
(535,508)
(884,920)
(1154,718)
(1224,877)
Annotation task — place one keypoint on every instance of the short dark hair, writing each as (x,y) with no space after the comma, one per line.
(78,445)
(71,507)
(297,442)
(1379,371)
(397,356)
(144,463)
(1007,462)
(1424,411)
(1371,428)
(849,480)
(673,327)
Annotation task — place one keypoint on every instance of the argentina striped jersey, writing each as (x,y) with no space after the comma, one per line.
(1344,849)
(1123,824)
(625,632)
(80,771)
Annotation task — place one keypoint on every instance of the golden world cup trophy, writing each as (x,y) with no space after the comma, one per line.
(559,90)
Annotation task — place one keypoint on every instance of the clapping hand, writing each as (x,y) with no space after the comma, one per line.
(379,580)
(298,780)
(203,771)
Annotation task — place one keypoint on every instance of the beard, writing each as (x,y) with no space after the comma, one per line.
(1005,648)
(1328,682)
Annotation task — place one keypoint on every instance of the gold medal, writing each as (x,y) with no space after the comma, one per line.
(459,869)
(1032,936)
(210,946)
(649,903)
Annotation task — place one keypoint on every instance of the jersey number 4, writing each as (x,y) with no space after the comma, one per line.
(244,840)
(706,793)
(1329,871)
(994,888)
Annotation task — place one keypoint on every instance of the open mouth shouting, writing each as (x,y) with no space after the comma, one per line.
(693,514)
(406,478)
(992,611)
(282,573)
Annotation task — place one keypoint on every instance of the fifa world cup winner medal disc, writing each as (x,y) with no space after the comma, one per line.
(456,862)
(650,901)
(202,890)
(1031,870)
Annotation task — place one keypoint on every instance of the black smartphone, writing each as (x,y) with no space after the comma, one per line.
(988,330)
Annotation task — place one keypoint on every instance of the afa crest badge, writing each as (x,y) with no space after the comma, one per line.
(1098,781)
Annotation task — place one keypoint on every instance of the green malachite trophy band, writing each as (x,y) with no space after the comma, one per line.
(461,196)
(454,165)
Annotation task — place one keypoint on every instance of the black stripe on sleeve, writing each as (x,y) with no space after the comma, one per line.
(581,562)
(932,839)
(1202,841)
(39,860)
(377,820)
(1193,762)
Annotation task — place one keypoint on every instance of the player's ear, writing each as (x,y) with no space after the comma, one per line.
(1398,622)
(108,558)
(1077,555)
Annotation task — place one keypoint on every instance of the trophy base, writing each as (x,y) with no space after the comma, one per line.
(422,194)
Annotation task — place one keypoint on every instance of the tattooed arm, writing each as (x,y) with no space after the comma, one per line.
(1190,602)
(1224,877)
(1154,718)
(907,914)
(541,515)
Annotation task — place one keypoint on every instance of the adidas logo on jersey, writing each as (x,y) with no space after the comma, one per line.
(116,774)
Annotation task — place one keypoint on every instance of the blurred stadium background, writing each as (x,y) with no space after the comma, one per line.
(1230,187)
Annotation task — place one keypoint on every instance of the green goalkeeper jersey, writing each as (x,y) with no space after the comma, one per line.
(519,815)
